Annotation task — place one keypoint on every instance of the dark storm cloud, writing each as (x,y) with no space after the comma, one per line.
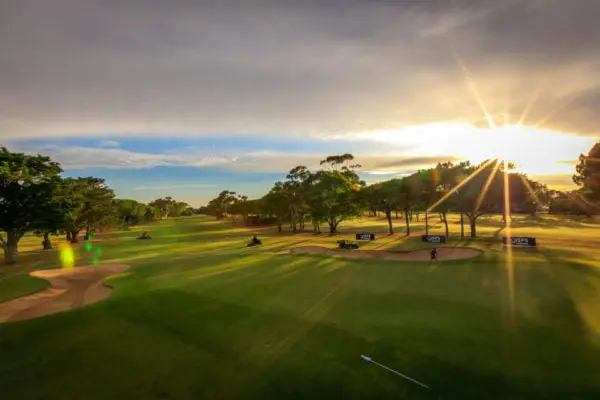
(72,67)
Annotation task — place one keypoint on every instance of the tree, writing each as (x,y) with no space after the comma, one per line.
(129,212)
(410,196)
(340,163)
(26,187)
(163,207)
(570,203)
(276,203)
(537,196)
(62,203)
(481,194)
(98,204)
(370,199)
(587,174)
(91,208)
(385,196)
(297,187)
(334,193)
(446,177)
(454,175)
(241,206)
(150,213)
(220,204)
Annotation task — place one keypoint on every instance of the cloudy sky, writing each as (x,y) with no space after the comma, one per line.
(189,97)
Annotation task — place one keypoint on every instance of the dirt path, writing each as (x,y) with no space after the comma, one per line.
(69,288)
(443,253)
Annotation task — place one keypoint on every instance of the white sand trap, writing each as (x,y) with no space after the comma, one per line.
(69,288)
(443,253)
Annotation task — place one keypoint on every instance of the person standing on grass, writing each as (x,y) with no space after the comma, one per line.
(434,254)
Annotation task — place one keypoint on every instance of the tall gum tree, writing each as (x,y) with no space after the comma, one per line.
(24,196)
(587,175)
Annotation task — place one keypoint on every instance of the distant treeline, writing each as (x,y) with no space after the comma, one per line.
(35,198)
(336,193)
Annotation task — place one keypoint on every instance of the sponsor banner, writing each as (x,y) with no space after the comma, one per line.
(365,236)
(519,241)
(434,238)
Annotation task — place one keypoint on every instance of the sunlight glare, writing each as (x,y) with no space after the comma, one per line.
(487,185)
(534,151)
(509,256)
(461,184)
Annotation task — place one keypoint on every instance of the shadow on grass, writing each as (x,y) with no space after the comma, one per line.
(174,344)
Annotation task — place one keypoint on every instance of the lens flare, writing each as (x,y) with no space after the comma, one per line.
(486,187)
(95,261)
(510,266)
(461,184)
(87,246)
(97,250)
(66,256)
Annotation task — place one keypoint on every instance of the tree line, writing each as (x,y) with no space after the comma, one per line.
(35,198)
(336,193)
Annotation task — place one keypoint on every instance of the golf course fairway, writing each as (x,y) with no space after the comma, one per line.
(199,315)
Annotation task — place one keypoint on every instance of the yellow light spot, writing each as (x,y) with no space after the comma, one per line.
(66,256)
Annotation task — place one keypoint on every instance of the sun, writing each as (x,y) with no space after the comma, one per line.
(514,144)
(535,151)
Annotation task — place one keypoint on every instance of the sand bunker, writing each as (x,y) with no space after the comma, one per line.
(69,288)
(443,253)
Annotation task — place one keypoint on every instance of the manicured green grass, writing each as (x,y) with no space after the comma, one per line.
(18,285)
(202,316)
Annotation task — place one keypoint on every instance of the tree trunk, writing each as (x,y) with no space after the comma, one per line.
(417,214)
(11,254)
(47,243)
(317,226)
(445,220)
(410,215)
(11,247)
(388,214)
(473,223)
(293,221)
(396,211)
(407,220)
(332,226)
(462,225)
(74,237)
(442,217)
(426,222)
(69,237)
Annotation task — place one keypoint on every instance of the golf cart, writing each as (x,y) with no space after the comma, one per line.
(254,242)
(347,245)
(144,236)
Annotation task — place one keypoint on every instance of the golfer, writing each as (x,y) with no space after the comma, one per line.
(434,254)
